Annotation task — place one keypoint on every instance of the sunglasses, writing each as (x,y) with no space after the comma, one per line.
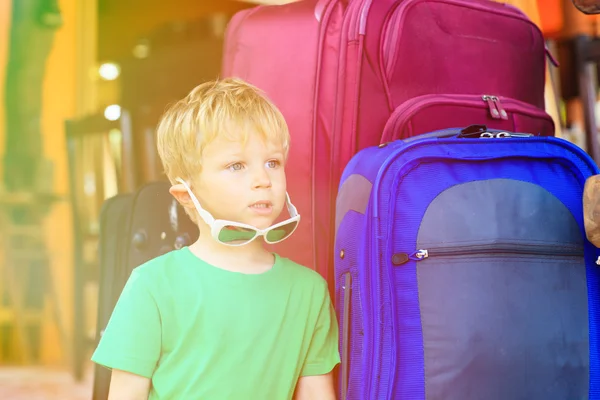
(233,233)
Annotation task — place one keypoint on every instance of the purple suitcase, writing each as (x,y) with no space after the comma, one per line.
(463,271)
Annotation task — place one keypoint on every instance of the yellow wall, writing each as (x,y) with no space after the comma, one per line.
(4,27)
(58,104)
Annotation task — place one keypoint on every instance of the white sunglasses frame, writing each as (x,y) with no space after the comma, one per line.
(216,225)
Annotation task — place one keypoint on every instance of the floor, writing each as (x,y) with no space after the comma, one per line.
(38,383)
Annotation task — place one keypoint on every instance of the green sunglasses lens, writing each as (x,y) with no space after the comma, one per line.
(281,232)
(235,235)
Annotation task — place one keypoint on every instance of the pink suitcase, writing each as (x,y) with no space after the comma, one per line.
(352,74)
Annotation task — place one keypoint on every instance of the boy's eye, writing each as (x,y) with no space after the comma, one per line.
(273,163)
(235,167)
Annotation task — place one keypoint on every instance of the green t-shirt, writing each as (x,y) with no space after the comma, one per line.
(200,332)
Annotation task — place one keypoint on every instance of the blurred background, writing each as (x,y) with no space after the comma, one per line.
(83,83)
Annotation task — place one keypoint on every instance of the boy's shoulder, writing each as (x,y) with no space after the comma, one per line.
(157,267)
(302,274)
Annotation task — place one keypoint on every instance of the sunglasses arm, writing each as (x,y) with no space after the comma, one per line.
(203,214)
(291,209)
(206,217)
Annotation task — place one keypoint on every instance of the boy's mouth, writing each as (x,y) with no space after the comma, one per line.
(261,205)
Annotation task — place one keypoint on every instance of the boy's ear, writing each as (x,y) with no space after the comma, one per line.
(181,195)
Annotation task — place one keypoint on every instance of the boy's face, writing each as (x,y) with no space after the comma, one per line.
(243,183)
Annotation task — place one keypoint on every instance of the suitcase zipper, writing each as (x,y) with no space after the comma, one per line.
(390,46)
(494,104)
(501,248)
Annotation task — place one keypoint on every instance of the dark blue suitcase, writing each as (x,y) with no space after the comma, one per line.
(134,228)
(463,271)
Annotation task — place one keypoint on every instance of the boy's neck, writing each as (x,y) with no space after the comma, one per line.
(252,258)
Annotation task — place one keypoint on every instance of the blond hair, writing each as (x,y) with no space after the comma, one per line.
(230,108)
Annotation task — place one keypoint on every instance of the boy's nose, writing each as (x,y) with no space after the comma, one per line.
(261,179)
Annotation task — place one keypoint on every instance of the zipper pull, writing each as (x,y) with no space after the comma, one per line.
(472,131)
(419,255)
(503,113)
(402,258)
(491,105)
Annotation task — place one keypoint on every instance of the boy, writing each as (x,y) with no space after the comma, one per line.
(224,318)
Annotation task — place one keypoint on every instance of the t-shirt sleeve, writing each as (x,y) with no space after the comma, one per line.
(323,353)
(132,339)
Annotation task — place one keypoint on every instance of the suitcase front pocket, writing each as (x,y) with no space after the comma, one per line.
(504,325)
(500,279)
(434,112)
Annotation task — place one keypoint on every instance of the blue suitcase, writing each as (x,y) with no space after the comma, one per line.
(463,271)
